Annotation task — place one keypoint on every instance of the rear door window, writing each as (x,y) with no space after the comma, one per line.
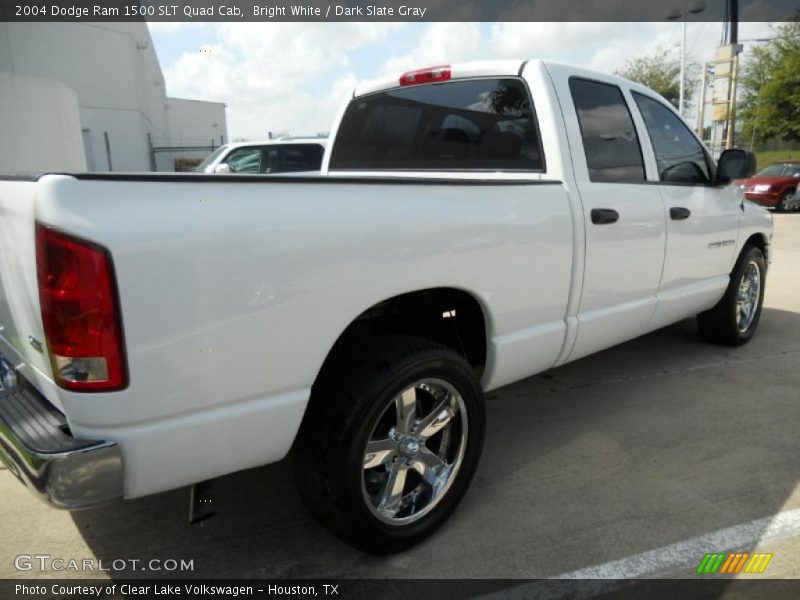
(610,142)
(482,124)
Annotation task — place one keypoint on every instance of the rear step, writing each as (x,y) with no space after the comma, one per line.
(37,447)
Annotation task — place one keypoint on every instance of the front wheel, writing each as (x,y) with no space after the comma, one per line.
(390,441)
(788,201)
(734,319)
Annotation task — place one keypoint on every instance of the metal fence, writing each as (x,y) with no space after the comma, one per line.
(179,158)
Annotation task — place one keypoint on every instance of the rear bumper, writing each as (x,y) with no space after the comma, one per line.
(36,447)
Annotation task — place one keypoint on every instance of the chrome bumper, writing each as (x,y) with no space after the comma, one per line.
(35,445)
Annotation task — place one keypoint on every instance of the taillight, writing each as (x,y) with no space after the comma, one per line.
(428,75)
(80,312)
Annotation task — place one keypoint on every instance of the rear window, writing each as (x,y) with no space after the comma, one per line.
(485,124)
(302,157)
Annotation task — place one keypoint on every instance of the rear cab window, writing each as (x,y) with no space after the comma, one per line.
(471,124)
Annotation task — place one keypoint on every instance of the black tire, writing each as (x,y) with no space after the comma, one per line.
(351,395)
(720,324)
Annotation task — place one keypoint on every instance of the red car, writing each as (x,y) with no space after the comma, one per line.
(774,187)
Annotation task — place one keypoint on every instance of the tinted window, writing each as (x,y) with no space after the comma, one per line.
(301,157)
(789,170)
(679,156)
(473,124)
(609,137)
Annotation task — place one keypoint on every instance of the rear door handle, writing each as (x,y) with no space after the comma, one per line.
(604,216)
(678,213)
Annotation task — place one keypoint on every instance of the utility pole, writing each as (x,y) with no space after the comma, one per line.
(733,40)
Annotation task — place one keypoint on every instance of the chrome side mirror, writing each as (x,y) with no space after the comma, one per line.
(222,168)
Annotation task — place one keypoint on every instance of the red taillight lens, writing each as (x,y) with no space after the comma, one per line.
(429,75)
(78,296)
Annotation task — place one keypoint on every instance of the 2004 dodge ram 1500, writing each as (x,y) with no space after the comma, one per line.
(472,225)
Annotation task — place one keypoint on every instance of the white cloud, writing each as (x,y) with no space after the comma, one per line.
(439,43)
(266,72)
(261,71)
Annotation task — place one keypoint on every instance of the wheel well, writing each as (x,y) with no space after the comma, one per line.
(759,241)
(449,316)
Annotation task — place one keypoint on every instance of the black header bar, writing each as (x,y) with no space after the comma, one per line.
(391,10)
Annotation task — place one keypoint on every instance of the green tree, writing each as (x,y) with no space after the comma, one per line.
(661,72)
(769,97)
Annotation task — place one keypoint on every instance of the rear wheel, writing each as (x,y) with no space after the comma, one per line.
(734,319)
(390,442)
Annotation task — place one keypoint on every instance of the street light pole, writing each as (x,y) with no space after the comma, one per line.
(697,6)
(683,60)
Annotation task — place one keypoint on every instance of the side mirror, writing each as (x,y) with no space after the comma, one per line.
(222,168)
(735,163)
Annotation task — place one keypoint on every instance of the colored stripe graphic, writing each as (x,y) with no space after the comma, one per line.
(732,563)
(758,563)
(728,562)
(711,562)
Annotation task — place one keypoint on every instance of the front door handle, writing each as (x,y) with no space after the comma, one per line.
(678,213)
(604,216)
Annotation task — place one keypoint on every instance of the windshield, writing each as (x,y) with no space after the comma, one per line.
(785,169)
(210,159)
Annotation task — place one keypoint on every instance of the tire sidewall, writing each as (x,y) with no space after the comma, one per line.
(749,256)
(365,524)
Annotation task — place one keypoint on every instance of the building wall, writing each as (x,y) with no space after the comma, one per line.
(114,71)
(194,123)
(40,126)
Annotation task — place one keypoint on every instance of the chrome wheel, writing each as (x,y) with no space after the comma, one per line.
(747,296)
(414,451)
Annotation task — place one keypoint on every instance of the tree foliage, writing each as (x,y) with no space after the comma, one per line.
(769,98)
(661,71)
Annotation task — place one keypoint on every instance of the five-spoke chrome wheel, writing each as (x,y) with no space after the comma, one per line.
(414,451)
(747,297)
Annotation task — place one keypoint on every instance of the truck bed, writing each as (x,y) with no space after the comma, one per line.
(215,272)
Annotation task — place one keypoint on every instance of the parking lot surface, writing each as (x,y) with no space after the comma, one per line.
(632,462)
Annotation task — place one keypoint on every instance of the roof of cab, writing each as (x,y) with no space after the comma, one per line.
(486,68)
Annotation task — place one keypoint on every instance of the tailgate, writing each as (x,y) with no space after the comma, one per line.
(22,340)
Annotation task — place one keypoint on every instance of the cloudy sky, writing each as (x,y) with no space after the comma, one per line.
(292,77)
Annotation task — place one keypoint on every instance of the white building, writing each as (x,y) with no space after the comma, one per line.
(113,71)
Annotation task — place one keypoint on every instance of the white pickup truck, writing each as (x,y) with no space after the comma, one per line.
(472,225)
